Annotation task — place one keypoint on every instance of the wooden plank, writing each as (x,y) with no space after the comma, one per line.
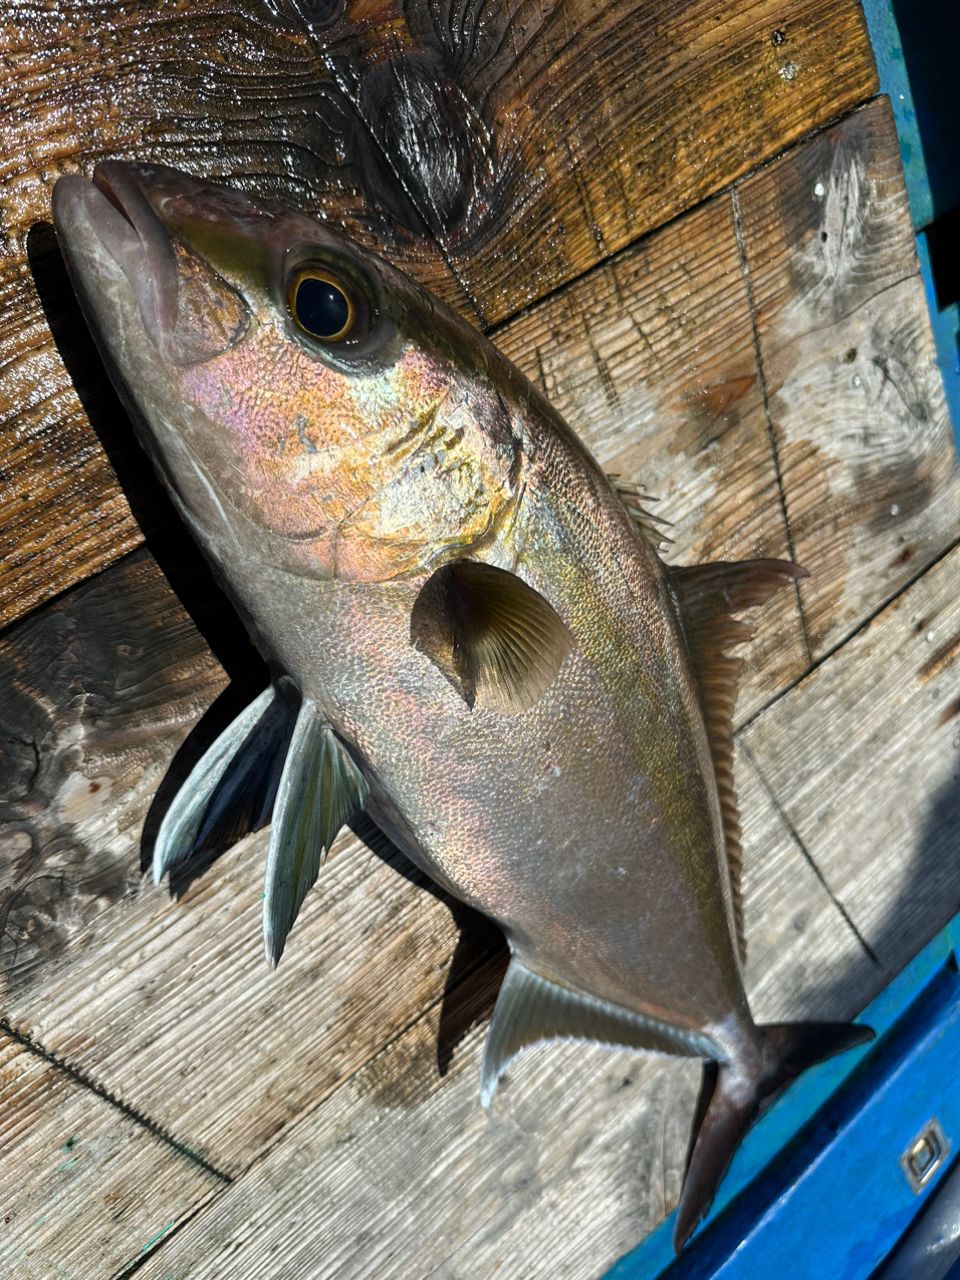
(652,358)
(866,453)
(864,757)
(84,1189)
(581,1154)
(610,119)
(494,152)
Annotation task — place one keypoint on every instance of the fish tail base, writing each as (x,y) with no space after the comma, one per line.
(732,1097)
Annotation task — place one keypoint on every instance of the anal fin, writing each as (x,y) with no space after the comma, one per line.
(320,788)
(531,1008)
(709,596)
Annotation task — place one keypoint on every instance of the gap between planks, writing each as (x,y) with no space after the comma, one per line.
(80,1078)
(765,395)
(862,626)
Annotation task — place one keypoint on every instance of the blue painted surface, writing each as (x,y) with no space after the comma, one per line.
(946,332)
(817,1189)
(895,82)
(916,43)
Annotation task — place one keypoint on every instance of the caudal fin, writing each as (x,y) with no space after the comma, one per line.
(732,1098)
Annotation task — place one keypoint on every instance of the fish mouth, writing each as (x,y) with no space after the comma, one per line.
(113,214)
(133,214)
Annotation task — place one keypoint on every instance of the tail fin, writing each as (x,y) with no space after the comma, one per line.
(732,1098)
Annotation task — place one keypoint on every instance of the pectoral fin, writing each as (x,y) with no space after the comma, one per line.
(320,788)
(531,1008)
(230,790)
(496,639)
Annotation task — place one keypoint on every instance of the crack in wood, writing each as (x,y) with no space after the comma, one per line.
(785,819)
(771,432)
(863,625)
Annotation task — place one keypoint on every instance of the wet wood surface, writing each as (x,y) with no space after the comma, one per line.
(496,151)
(729,362)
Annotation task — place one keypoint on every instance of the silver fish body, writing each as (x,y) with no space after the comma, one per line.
(490,654)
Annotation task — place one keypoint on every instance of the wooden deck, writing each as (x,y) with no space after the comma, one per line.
(690,234)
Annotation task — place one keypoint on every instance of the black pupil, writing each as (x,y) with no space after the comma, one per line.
(321,307)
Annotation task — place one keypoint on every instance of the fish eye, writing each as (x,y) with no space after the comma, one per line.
(322,305)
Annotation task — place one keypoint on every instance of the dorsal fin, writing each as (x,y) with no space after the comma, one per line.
(650,527)
(320,788)
(496,639)
(709,595)
(531,1008)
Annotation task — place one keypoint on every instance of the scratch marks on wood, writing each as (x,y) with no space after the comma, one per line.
(864,451)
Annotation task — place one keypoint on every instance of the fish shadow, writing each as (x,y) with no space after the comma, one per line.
(480,953)
(929,897)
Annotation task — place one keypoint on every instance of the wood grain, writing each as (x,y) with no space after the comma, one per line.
(84,1189)
(865,448)
(495,152)
(864,757)
(581,1154)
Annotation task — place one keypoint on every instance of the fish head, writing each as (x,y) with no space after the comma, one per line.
(307,404)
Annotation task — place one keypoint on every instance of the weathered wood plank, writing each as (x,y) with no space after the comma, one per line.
(582,1153)
(610,119)
(866,453)
(84,1189)
(864,757)
(652,358)
(493,151)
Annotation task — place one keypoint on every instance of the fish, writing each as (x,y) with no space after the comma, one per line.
(472,634)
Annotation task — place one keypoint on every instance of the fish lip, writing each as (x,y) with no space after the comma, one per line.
(114,211)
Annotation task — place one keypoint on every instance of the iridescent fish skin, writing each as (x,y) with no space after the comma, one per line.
(329,486)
